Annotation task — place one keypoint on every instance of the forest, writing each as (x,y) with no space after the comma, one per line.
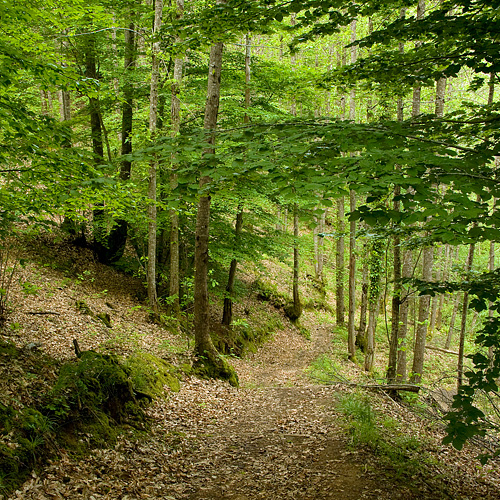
(235,221)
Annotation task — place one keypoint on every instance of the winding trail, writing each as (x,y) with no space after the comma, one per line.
(275,438)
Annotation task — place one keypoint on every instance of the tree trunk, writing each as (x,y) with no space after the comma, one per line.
(423,316)
(296,310)
(361,333)
(403,316)
(396,294)
(435,299)
(463,322)
(351,329)
(396,299)
(227,314)
(340,301)
(319,256)
(424,303)
(417,89)
(99,229)
(118,235)
(209,362)
(373,302)
(175,113)
(153,166)
(451,329)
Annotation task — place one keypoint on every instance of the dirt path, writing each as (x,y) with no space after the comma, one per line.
(276,438)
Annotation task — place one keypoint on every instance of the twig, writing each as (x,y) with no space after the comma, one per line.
(44,312)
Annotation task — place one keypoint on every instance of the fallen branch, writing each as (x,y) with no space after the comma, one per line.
(393,387)
(44,312)
(434,348)
(378,387)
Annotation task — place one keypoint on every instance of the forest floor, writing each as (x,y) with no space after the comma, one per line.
(279,436)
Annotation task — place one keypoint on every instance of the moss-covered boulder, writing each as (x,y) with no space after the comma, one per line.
(150,375)
(211,365)
(95,382)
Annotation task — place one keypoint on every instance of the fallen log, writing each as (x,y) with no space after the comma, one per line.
(439,349)
(392,387)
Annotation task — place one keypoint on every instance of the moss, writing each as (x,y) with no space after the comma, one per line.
(185,369)
(210,367)
(83,307)
(151,374)
(8,349)
(93,382)
(105,318)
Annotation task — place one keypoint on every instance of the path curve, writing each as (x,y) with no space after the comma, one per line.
(276,438)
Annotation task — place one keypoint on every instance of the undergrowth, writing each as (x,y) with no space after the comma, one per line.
(381,434)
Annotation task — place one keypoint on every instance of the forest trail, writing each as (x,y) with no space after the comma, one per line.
(275,438)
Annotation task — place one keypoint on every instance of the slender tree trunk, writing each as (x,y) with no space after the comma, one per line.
(373,302)
(318,247)
(361,333)
(423,317)
(463,322)
(297,306)
(435,299)
(153,166)
(491,268)
(204,348)
(340,301)
(424,302)
(227,314)
(351,329)
(99,229)
(403,316)
(118,235)
(451,328)
(397,267)
(417,89)
(396,299)
(175,113)
(65,105)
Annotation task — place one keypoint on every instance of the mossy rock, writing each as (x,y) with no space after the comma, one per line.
(83,307)
(150,374)
(105,318)
(95,381)
(215,367)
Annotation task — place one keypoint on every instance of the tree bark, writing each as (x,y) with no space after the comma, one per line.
(403,316)
(351,329)
(339,294)
(117,237)
(373,302)
(396,299)
(175,113)
(363,308)
(153,166)
(99,229)
(297,306)
(423,316)
(451,328)
(227,313)
(203,341)
(463,322)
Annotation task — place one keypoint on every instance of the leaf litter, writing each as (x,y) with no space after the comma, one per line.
(277,437)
